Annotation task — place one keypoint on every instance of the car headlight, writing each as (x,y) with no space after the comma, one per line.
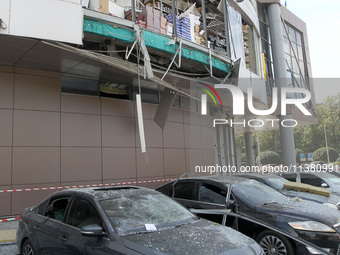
(311,226)
(331,205)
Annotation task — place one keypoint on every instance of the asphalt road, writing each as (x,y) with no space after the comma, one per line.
(8,249)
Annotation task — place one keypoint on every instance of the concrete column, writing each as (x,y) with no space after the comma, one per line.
(276,34)
(249,143)
(280,68)
(287,142)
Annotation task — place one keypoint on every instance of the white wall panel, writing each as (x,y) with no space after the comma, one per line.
(47,19)
(4,15)
(250,10)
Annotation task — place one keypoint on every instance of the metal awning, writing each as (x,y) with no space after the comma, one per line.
(68,60)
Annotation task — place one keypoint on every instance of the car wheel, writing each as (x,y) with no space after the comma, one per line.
(274,244)
(27,248)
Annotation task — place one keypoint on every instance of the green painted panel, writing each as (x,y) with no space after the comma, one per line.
(152,40)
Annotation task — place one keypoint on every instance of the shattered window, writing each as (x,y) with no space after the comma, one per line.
(56,208)
(211,194)
(83,213)
(256,193)
(137,212)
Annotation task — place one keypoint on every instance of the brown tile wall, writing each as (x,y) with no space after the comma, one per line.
(51,139)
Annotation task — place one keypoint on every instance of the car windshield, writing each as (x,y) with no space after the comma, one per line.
(333,179)
(138,212)
(255,193)
(277,183)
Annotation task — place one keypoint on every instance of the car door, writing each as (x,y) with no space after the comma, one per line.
(210,196)
(47,224)
(83,212)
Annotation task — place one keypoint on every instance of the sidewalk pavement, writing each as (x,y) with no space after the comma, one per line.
(8,232)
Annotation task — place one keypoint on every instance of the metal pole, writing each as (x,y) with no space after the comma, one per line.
(133,11)
(226,27)
(174,23)
(324,128)
(234,149)
(258,149)
(204,23)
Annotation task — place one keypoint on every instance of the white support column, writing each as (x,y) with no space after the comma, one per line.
(276,33)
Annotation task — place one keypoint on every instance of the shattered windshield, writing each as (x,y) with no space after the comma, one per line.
(137,212)
(277,183)
(255,193)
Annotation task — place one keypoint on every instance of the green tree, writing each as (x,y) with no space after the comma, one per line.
(312,137)
(321,154)
(308,138)
(270,141)
(239,139)
(269,157)
(243,158)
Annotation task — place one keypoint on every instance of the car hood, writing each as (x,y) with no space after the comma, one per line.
(304,210)
(199,237)
(333,199)
(336,189)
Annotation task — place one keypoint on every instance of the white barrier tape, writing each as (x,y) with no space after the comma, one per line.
(85,186)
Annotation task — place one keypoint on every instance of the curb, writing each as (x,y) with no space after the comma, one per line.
(8,236)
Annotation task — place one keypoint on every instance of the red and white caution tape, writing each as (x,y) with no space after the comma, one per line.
(78,186)
(9,219)
(86,186)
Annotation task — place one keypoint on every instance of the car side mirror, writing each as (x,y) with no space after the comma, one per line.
(92,230)
(324,185)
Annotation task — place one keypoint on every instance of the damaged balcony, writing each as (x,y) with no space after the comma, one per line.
(118,37)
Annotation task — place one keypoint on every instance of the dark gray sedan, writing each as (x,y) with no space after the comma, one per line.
(277,182)
(123,220)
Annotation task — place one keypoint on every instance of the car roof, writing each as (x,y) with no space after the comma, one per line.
(259,175)
(105,192)
(223,179)
(305,171)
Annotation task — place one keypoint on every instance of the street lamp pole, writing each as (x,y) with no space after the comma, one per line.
(258,149)
(324,128)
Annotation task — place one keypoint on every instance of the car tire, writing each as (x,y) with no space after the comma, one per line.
(27,248)
(274,243)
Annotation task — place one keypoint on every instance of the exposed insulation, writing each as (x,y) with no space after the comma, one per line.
(306,188)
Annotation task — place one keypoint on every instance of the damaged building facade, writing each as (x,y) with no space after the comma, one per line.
(102,91)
